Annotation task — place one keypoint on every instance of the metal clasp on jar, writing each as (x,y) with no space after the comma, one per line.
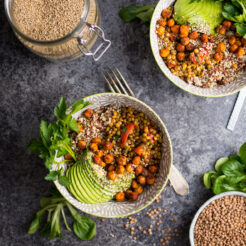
(98,52)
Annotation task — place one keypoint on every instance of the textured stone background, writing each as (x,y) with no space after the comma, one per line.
(31,87)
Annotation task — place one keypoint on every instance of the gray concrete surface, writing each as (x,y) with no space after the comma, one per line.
(31,87)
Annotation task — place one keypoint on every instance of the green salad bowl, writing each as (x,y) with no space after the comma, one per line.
(220,91)
(115,209)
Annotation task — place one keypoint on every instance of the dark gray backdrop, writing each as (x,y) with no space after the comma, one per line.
(31,87)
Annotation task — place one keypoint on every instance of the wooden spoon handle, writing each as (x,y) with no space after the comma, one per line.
(178,182)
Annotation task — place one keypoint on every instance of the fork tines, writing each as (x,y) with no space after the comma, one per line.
(116,82)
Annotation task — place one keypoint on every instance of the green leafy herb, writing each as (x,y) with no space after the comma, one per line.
(117,138)
(124,130)
(54,139)
(133,12)
(235,10)
(230,173)
(83,227)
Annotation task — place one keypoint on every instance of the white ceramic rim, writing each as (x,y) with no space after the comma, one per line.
(203,92)
(193,223)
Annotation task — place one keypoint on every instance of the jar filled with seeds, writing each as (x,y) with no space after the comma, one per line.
(58,30)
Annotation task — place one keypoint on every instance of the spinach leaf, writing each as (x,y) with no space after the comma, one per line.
(233,169)
(242,153)
(133,12)
(63,180)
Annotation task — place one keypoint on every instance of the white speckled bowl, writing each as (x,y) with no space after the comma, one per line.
(193,223)
(220,91)
(113,209)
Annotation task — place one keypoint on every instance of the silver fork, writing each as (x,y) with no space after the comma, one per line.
(118,84)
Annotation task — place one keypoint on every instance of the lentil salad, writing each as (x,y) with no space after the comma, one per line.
(121,140)
(198,58)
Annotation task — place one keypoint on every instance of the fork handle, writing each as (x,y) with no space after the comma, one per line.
(178,182)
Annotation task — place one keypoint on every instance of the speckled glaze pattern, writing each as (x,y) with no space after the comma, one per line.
(220,91)
(114,209)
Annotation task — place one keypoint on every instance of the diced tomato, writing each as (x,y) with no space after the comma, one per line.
(193,58)
(140,150)
(124,135)
(150,135)
(171,65)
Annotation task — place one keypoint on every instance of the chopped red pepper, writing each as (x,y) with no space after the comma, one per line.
(124,135)
(140,150)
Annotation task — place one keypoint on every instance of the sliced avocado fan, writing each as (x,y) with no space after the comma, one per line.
(203,16)
(89,183)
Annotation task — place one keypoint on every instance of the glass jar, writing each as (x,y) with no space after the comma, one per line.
(80,41)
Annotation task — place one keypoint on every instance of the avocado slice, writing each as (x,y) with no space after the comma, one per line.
(203,16)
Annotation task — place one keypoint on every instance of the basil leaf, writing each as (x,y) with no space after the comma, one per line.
(35,146)
(78,106)
(60,109)
(241,29)
(133,12)
(63,180)
(233,168)
(242,153)
(48,164)
(45,134)
(84,228)
(51,176)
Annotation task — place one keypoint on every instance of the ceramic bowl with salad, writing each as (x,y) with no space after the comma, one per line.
(200,45)
(109,155)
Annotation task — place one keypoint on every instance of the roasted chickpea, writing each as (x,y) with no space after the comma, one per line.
(190,47)
(221,29)
(103,164)
(150,179)
(82,144)
(240,52)
(145,172)
(212,38)
(232,40)
(128,193)
(97,159)
(120,169)
(112,175)
(184,34)
(80,126)
(221,47)
(160,30)
(193,35)
(181,56)
(166,13)
(171,22)
(233,48)
(111,168)
(122,160)
(134,184)
(136,160)
(238,43)
(173,37)
(141,179)
(139,190)
(120,197)
(88,113)
(185,41)
(68,157)
(175,28)
(162,22)
(139,170)
(100,153)
(153,168)
(96,140)
(129,168)
(131,195)
(204,38)
(218,56)
(227,24)
(109,158)
(94,147)
(237,35)
(164,52)
(184,29)
(243,40)
(180,47)
(108,145)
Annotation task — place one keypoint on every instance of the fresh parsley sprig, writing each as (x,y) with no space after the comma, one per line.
(54,138)
(83,227)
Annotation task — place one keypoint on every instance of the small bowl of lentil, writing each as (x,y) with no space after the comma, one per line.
(199,63)
(124,136)
(220,221)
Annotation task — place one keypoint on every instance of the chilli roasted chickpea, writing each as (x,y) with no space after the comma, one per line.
(160,30)
(93,147)
(221,29)
(175,29)
(233,48)
(180,47)
(218,56)
(164,52)
(82,144)
(221,47)
(171,22)
(109,158)
(120,169)
(162,22)
(141,180)
(204,38)
(88,113)
(112,175)
(122,160)
(240,52)
(120,197)
(166,13)
(181,56)
(193,35)
(185,41)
